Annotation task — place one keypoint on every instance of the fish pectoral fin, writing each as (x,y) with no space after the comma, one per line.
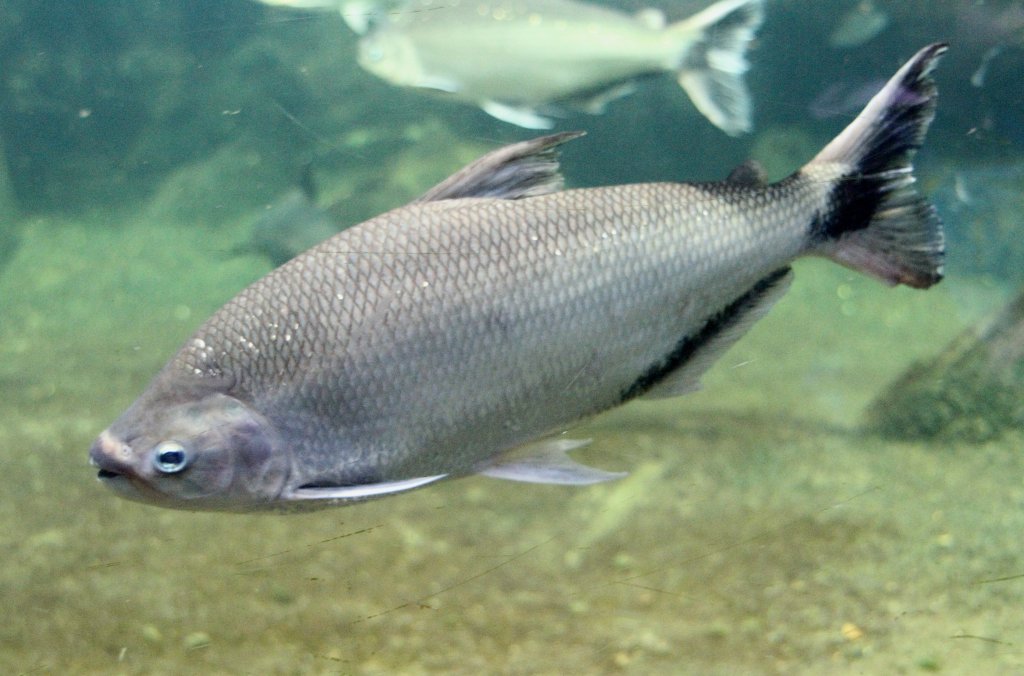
(700,351)
(521,117)
(524,169)
(546,462)
(360,492)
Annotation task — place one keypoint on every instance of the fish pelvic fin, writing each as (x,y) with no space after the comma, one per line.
(546,462)
(712,62)
(874,221)
(360,491)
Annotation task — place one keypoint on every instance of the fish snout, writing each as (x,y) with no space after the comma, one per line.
(112,456)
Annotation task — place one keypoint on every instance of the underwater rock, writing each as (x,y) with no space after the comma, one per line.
(972,391)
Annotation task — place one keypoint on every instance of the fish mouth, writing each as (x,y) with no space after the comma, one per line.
(112,459)
(113,462)
(107,474)
(121,483)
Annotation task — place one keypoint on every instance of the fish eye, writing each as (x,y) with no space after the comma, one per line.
(374,53)
(170,457)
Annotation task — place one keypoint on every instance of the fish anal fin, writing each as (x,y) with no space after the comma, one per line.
(546,462)
(361,491)
(681,371)
(523,169)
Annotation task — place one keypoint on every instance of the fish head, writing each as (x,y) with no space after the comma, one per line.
(392,57)
(210,453)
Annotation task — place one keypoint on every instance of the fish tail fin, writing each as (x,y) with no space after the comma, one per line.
(711,65)
(874,221)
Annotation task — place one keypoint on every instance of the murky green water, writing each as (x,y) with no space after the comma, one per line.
(761,530)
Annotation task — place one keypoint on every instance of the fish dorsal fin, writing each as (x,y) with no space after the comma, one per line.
(750,173)
(360,492)
(546,462)
(524,169)
(681,371)
(651,18)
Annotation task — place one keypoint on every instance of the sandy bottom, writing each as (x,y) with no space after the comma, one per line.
(758,532)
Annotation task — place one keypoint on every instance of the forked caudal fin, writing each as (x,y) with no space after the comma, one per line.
(711,69)
(875,221)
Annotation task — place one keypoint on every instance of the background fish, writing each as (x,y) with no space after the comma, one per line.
(520,61)
(358,14)
(843,98)
(454,335)
(292,224)
(304,4)
(858,25)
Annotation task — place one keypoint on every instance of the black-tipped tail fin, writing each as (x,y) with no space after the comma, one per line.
(875,220)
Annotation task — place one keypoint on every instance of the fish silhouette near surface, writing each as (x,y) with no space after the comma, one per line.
(525,60)
(461,333)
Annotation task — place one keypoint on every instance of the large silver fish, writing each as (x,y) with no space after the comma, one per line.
(457,334)
(521,60)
